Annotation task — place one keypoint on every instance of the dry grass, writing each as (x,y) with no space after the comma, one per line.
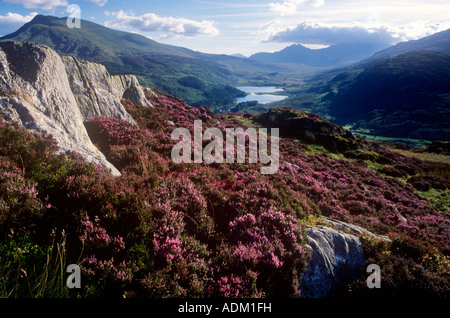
(424,156)
(438,164)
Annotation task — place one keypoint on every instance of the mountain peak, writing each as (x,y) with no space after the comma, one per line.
(39,18)
(46,20)
(332,56)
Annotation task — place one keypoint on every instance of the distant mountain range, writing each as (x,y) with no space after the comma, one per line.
(200,79)
(332,56)
(402,92)
(350,53)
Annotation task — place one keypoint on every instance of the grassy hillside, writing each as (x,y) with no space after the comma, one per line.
(221,230)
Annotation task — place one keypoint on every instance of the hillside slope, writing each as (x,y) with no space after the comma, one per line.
(401,97)
(439,42)
(183,230)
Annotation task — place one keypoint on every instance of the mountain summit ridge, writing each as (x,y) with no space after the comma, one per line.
(332,56)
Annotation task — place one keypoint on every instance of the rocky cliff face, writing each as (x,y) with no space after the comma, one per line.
(98,93)
(55,95)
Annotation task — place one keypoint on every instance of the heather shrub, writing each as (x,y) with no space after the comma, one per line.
(401,278)
(29,150)
(178,266)
(424,183)
(110,131)
(362,155)
(408,168)
(34,154)
(188,199)
(116,139)
(234,286)
(406,246)
(20,206)
(267,244)
(393,172)
(407,270)
(104,219)
(194,230)
(357,207)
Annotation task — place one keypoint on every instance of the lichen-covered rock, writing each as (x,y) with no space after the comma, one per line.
(127,87)
(336,258)
(54,95)
(98,93)
(91,86)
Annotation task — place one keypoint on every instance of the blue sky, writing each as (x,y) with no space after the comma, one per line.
(248,26)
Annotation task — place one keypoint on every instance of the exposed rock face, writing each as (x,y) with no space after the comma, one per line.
(127,86)
(354,229)
(99,94)
(336,258)
(54,95)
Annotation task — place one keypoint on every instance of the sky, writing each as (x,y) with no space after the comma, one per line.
(248,26)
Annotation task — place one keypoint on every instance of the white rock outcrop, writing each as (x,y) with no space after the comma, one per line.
(98,93)
(337,256)
(55,95)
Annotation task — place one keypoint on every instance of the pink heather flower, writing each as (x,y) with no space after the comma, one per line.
(171,248)
(275,261)
(231,286)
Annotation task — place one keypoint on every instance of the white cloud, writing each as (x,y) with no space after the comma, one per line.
(291,6)
(319,33)
(99,3)
(169,26)
(418,29)
(16,18)
(12,21)
(328,34)
(42,4)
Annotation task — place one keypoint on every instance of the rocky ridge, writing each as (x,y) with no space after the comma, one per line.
(45,92)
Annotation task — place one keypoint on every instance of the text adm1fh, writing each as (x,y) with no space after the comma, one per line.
(226,307)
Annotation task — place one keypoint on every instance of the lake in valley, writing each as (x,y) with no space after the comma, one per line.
(261,94)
